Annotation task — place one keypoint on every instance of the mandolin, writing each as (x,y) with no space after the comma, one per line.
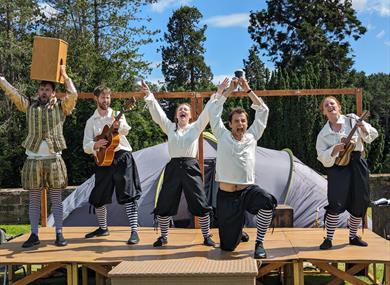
(345,155)
(105,155)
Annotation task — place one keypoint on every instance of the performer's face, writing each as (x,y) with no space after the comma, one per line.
(331,107)
(238,125)
(183,114)
(104,100)
(45,92)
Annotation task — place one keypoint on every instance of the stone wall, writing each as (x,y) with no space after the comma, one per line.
(380,188)
(14,204)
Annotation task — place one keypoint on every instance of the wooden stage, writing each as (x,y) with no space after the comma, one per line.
(287,248)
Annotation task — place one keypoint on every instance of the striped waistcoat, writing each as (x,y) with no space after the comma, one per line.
(45,124)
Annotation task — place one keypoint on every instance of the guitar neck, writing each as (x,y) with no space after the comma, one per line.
(117,118)
(353,130)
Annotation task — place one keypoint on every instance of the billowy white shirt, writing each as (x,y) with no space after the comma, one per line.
(236,159)
(95,125)
(327,138)
(182,142)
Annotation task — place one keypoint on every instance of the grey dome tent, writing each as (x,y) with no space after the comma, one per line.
(279,172)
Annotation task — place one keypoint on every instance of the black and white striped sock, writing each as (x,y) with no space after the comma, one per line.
(331,225)
(34,209)
(263,220)
(132,215)
(164,225)
(205,225)
(101,215)
(56,208)
(353,224)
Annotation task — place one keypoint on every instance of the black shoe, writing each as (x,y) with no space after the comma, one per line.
(32,240)
(244,237)
(208,241)
(259,251)
(357,241)
(60,240)
(160,242)
(326,244)
(99,232)
(134,238)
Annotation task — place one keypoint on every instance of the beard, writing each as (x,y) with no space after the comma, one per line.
(103,106)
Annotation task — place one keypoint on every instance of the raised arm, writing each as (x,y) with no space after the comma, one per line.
(216,107)
(69,102)
(204,117)
(261,116)
(21,102)
(158,114)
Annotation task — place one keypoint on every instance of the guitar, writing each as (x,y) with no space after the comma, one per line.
(105,155)
(345,155)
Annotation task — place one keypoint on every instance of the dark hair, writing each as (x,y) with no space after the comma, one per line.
(44,83)
(237,110)
(100,89)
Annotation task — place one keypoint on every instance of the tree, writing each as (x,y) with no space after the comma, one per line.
(17,21)
(183,63)
(294,32)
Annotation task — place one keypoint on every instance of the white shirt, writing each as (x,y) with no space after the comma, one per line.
(327,138)
(236,159)
(181,142)
(95,125)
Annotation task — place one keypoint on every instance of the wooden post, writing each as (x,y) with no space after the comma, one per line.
(359,101)
(298,273)
(84,274)
(44,207)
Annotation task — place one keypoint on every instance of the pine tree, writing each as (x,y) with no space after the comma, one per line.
(183,64)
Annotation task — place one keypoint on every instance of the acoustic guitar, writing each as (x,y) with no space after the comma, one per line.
(105,155)
(345,155)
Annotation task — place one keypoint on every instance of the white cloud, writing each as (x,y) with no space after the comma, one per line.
(217,79)
(162,5)
(387,43)
(380,34)
(232,20)
(378,6)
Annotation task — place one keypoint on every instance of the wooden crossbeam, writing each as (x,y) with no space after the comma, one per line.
(339,273)
(269,267)
(205,94)
(101,269)
(38,274)
(352,271)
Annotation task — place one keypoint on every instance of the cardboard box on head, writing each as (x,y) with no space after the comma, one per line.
(47,56)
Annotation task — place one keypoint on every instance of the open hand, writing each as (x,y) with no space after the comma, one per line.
(223,85)
(145,88)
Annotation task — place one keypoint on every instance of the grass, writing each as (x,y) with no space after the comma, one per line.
(13,230)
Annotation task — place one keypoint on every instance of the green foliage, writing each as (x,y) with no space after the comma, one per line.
(294,32)
(183,63)
(104,39)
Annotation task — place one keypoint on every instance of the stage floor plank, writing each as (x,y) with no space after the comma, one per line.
(284,244)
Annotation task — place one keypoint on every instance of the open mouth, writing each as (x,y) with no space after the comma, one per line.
(182,116)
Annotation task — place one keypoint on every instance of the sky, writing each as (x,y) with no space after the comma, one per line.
(228,40)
